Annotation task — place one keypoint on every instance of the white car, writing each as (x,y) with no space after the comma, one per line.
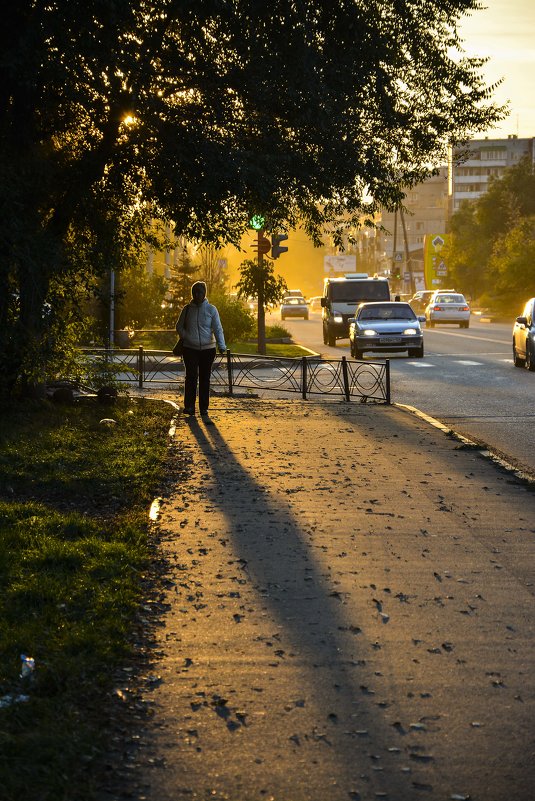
(448,307)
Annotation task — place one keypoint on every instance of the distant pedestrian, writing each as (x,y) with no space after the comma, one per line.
(200,328)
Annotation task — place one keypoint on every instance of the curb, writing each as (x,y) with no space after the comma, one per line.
(483,449)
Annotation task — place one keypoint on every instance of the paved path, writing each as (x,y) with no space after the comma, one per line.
(350,613)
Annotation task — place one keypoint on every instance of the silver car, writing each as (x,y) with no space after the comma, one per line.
(294,307)
(524,337)
(448,307)
(388,327)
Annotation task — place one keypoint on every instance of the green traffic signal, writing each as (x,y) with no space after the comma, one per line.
(257,222)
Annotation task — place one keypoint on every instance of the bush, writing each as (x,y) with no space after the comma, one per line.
(237,321)
(277,332)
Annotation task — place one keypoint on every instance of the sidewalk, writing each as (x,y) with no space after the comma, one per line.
(350,613)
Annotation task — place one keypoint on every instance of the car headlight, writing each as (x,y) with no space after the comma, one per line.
(338,318)
(369,332)
(410,332)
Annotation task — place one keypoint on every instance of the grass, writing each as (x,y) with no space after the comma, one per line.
(272,349)
(74,500)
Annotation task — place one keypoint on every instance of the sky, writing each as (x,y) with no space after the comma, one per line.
(505,32)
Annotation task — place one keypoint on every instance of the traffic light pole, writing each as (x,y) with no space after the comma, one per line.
(261,314)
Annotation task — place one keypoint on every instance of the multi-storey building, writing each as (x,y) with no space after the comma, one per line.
(480,160)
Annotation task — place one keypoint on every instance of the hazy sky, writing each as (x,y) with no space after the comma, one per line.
(505,31)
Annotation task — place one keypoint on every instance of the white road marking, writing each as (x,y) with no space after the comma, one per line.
(466,336)
(421,364)
(469,363)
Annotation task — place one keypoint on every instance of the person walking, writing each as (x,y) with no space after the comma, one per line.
(200,328)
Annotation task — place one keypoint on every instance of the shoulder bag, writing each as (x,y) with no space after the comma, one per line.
(178,350)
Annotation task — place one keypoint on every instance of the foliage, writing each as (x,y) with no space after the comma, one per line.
(277,332)
(115,113)
(183,275)
(512,265)
(260,282)
(237,321)
(73,547)
(493,240)
(212,268)
(140,298)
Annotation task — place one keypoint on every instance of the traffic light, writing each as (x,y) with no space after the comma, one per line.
(257,222)
(276,247)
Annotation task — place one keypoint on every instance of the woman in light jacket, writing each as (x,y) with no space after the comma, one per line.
(200,328)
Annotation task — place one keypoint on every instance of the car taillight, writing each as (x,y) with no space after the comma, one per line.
(465,308)
(437,308)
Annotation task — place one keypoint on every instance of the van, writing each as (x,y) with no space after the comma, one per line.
(340,299)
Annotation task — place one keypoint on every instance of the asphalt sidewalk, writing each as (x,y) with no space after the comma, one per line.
(349,613)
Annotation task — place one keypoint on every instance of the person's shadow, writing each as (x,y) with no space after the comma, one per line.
(317,623)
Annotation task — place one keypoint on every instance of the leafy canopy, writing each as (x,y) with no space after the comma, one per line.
(205,111)
(493,241)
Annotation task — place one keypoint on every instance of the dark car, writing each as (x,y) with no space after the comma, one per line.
(524,337)
(389,327)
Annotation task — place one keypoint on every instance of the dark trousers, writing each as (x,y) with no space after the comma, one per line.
(198,365)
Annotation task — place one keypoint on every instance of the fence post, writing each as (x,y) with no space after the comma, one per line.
(140,366)
(229,372)
(304,377)
(387,371)
(346,378)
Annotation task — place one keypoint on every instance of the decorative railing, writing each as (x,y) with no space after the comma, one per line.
(309,375)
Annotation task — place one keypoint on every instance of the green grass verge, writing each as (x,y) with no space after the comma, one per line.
(74,499)
(279,349)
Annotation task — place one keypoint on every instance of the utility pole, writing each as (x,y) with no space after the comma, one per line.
(408,260)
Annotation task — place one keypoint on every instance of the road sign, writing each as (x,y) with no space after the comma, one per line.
(262,245)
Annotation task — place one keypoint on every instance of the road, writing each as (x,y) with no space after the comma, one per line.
(466,379)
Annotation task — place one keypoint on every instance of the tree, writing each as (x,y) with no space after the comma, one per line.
(179,290)
(113,113)
(259,281)
(236,318)
(487,239)
(212,267)
(140,299)
(513,265)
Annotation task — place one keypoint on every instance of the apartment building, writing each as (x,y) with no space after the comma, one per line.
(480,160)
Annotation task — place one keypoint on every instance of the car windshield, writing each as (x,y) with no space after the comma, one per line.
(388,311)
(450,299)
(351,291)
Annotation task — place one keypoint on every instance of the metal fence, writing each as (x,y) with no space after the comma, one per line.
(309,375)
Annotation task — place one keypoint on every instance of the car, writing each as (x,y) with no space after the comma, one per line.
(386,326)
(294,293)
(448,307)
(294,307)
(314,304)
(420,300)
(524,337)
